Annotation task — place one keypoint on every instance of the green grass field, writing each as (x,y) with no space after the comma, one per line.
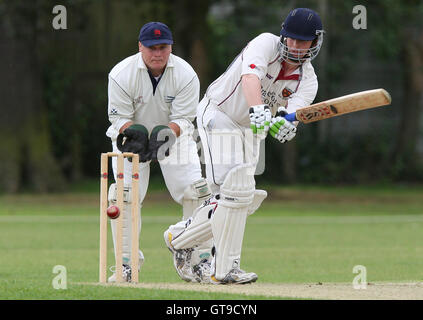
(299,235)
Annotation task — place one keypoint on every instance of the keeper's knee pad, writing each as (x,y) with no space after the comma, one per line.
(194,196)
(126,222)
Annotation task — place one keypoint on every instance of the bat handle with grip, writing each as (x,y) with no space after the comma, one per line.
(291,117)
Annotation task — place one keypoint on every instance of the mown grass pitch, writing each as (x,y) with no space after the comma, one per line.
(300,235)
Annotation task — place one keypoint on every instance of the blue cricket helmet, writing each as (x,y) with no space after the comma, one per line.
(301,24)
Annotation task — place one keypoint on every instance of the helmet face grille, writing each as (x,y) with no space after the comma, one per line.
(298,56)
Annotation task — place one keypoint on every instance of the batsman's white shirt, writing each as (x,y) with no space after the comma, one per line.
(261,57)
(224,112)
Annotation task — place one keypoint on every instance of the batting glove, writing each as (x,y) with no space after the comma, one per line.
(280,128)
(260,117)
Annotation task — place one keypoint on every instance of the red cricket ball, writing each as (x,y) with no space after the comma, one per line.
(113,212)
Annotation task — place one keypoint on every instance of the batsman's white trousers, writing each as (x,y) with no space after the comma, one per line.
(225,143)
(231,153)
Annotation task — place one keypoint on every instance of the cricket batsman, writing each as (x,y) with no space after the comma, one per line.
(152,100)
(272,76)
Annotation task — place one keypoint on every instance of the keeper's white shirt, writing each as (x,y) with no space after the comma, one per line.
(261,57)
(131,98)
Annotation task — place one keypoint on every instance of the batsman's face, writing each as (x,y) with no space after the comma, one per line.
(155,57)
(298,48)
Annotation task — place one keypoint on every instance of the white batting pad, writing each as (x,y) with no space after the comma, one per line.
(259,196)
(194,231)
(194,196)
(228,221)
(237,190)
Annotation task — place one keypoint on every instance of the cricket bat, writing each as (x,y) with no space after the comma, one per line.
(341,105)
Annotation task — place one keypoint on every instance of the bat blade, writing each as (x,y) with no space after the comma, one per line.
(342,105)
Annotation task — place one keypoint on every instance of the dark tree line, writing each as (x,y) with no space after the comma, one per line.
(54,84)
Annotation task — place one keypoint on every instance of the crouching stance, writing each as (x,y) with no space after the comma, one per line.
(153,96)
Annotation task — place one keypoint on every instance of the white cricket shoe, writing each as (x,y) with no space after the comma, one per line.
(236,276)
(126,270)
(181,259)
(202,271)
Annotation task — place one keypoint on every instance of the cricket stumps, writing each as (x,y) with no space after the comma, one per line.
(135,211)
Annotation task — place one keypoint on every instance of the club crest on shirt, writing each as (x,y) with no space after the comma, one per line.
(286,92)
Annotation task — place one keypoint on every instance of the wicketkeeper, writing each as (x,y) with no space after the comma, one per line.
(271,76)
(153,96)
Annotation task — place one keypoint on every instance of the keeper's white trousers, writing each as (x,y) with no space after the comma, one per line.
(180,169)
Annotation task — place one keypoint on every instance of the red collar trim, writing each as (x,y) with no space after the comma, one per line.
(290,77)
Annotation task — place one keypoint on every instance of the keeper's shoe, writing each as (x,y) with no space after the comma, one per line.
(126,270)
(181,259)
(236,276)
(126,273)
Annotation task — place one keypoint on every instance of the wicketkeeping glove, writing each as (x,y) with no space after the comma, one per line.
(260,117)
(160,135)
(280,128)
(136,141)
